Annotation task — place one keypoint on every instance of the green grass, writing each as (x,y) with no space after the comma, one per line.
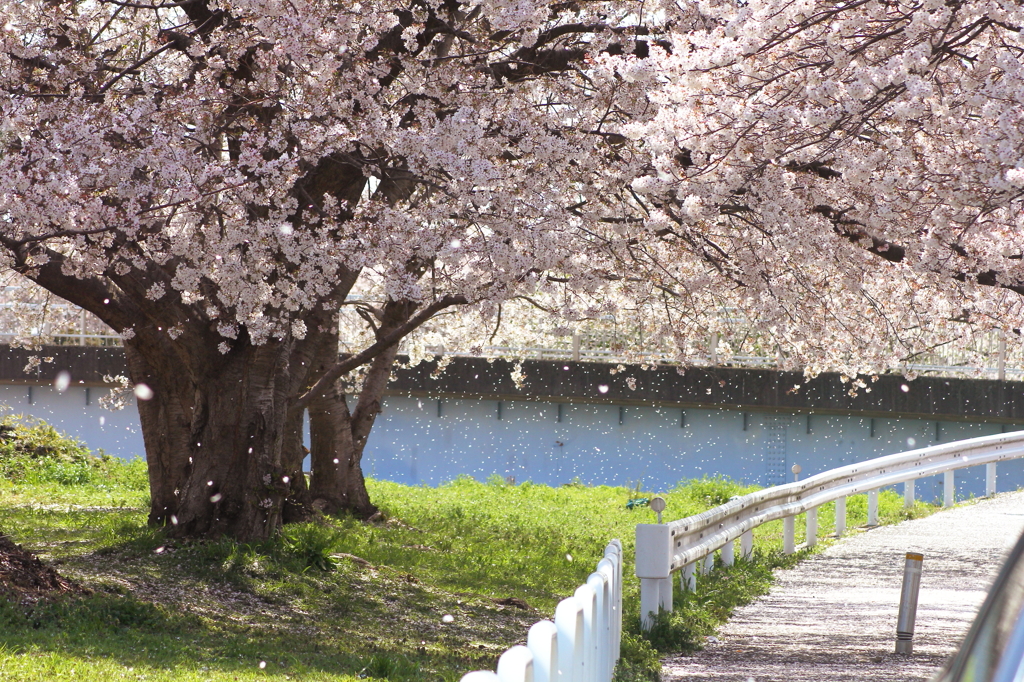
(341,599)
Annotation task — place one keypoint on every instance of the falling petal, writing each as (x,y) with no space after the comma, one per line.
(216,497)
(143,392)
(446,618)
(62,381)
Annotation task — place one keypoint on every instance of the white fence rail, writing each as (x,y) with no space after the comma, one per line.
(689,544)
(582,644)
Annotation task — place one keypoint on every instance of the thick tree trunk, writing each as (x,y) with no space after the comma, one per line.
(215,433)
(166,423)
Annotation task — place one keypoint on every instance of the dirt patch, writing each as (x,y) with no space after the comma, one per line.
(24,578)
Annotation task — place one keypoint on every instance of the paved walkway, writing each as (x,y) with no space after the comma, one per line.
(833,617)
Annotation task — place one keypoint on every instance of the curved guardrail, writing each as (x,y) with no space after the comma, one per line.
(581,644)
(662,549)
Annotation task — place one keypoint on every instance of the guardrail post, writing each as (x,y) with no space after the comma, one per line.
(569,622)
(872,508)
(729,553)
(990,479)
(688,577)
(542,641)
(908,494)
(812,527)
(747,545)
(840,517)
(653,567)
(708,564)
(789,535)
(948,489)
(516,665)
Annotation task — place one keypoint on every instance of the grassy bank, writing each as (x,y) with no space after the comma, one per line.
(452,577)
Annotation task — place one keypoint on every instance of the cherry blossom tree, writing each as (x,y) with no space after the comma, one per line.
(236,187)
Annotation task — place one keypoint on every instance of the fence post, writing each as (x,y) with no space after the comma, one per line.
(588,598)
(990,479)
(516,665)
(747,544)
(708,564)
(542,641)
(908,494)
(948,489)
(789,535)
(653,567)
(569,622)
(729,553)
(608,645)
(872,508)
(599,583)
(840,517)
(812,527)
(613,552)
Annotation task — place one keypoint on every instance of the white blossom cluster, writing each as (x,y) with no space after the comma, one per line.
(847,175)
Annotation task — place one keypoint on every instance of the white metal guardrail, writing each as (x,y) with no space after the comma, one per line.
(582,644)
(689,544)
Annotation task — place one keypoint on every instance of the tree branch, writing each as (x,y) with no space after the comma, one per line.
(372,351)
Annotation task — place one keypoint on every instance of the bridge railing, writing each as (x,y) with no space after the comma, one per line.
(689,544)
(581,644)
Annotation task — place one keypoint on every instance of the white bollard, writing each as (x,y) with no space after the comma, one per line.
(948,489)
(840,517)
(729,553)
(990,479)
(812,527)
(542,641)
(872,508)
(688,577)
(789,535)
(908,494)
(516,665)
(569,622)
(908,603)
(747,545)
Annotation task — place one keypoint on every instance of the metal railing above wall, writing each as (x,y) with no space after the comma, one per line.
(582,644)
(689,544)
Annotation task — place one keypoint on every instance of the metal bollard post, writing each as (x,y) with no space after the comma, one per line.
(840,517)
(908,603)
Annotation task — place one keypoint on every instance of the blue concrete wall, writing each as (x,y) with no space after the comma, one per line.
(427,441)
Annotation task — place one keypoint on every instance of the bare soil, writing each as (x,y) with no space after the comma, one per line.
(25,579)
(833,616)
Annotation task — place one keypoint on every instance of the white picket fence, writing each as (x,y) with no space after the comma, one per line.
(581,644)
(689,544)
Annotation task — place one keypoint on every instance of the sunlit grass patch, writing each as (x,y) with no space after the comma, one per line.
(339,599)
